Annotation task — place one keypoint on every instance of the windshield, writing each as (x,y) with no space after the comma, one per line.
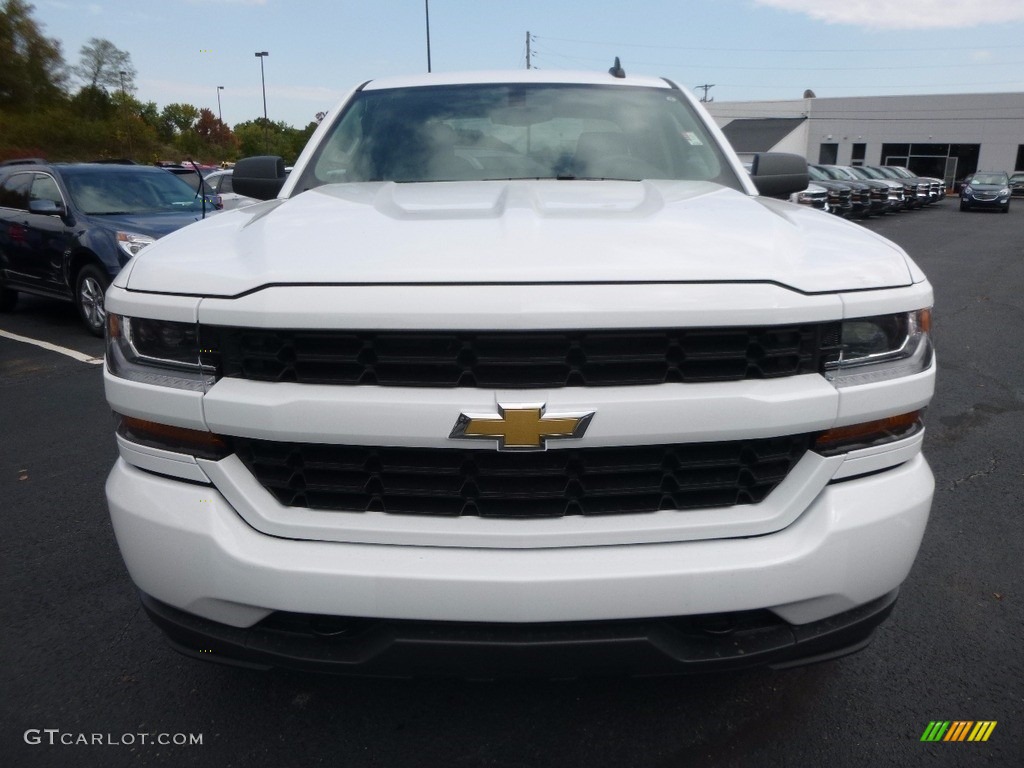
(872,173)
(517,131)
(101,192)
(832,172)
(839,172)
(857,172)
(888,172)
(989,178)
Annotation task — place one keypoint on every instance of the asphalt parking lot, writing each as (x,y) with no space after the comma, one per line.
(81,659)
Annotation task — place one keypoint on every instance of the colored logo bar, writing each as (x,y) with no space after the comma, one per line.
(958,730)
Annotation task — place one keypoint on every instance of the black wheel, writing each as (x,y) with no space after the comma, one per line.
(90,287)
(8,299)
(964,206)
(1006,208)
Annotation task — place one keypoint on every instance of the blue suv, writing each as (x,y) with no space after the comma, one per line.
(67,229)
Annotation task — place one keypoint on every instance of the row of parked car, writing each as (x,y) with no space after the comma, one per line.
(865,190)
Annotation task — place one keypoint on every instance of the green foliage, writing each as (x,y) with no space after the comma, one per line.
(179,118)
(57,134)
(32,69)
(92,104)
(263,137)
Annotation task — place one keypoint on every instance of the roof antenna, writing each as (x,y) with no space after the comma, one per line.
(617,70)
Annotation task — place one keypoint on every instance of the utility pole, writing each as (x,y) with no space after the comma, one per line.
(705,88)
(529,65)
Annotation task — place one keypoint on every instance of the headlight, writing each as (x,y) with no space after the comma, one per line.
(968,191)
(157,352)
(1004,191)
(882,348)
(131,243)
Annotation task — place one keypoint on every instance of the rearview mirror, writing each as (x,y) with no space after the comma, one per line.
(46,207)
(260,177)
(779,174)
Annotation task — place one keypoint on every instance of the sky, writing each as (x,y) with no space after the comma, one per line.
(183,50)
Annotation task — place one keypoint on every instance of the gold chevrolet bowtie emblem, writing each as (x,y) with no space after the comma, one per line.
(521,427)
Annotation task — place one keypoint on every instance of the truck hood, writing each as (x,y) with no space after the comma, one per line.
(519,232)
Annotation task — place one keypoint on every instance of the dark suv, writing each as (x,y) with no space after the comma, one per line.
(67,229)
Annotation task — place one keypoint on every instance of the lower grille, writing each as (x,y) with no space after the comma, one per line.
(554,483)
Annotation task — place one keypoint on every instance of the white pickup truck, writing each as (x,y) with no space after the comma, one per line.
(519,373)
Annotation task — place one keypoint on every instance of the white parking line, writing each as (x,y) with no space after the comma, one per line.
(79,356)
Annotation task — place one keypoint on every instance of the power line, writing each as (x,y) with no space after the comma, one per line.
(811,71)
(705,65)
(778,50)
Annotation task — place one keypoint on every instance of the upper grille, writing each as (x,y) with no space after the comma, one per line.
(554,483)
(520,359)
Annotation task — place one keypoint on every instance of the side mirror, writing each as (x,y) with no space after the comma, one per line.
(779,174)
(46,207)
(260,177)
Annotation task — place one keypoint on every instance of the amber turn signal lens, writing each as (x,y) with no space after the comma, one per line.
(842,439)
(195,442)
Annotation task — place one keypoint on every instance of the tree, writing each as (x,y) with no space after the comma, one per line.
(179,118)
(93,104)
(213,131)
(33,72)
(263,137)
(101,66)
(149,113)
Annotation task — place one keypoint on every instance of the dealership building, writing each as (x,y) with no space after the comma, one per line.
(945,136)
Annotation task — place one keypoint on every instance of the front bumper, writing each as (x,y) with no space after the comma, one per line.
(187,548)
(673,645)
(987,201)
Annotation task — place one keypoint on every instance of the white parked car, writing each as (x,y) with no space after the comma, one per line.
(220,182)
(519,372)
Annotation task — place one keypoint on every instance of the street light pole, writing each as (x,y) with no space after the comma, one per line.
(220,115)
(127,118)
(266,137)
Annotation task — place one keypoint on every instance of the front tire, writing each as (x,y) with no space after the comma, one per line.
(964,206)
(90,288)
